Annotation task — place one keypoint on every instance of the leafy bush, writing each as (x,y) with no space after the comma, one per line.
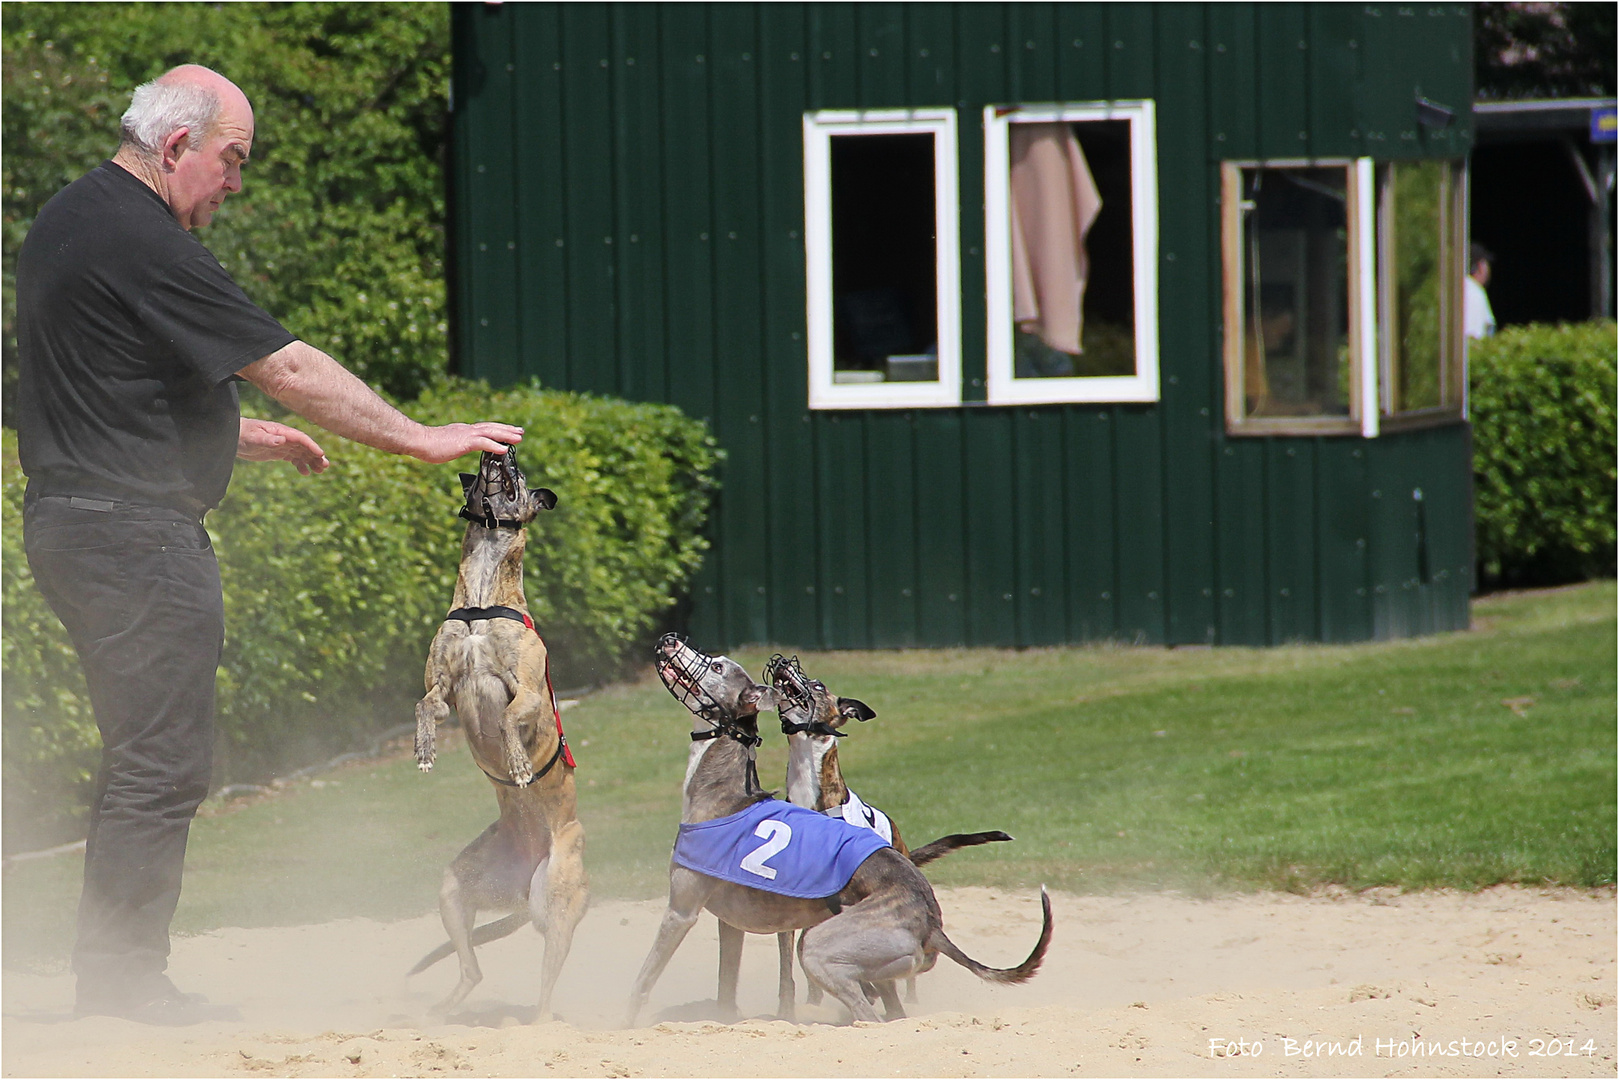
(339,232)
(335,584)
(1542,403)
(50,742)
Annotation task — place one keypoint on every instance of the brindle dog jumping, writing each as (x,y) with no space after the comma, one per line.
(489,664)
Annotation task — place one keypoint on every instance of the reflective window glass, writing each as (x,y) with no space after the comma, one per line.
(1295,298)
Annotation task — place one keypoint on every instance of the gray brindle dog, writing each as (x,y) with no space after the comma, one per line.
(489,664)
(884,925)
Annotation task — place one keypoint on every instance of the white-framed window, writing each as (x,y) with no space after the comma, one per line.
(1071,252)
(882,258)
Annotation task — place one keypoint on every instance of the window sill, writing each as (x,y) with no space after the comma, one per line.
(1293,425)
(1421,418)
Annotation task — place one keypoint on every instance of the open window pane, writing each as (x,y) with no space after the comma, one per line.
(884,262)
(1420,269)
(1070,223)
(1070,210)
(881,258)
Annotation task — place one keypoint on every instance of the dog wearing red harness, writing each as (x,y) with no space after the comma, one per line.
(489,664)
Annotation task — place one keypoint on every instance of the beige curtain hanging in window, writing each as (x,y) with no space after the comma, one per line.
(1054,204)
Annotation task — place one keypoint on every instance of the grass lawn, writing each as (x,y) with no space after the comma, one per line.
(1460,760)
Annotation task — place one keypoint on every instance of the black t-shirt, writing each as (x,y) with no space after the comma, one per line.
(128,333)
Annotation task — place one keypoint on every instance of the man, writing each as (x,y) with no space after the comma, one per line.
(129,336)
(1478,319)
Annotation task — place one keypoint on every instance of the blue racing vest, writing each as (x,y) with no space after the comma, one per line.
(777,847)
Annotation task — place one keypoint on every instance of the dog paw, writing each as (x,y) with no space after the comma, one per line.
(424,766)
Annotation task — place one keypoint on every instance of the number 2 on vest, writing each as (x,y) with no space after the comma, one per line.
(777,835)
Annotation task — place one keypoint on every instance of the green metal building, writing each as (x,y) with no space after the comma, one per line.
(823,228)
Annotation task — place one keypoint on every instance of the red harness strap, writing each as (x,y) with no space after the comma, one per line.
(567,754)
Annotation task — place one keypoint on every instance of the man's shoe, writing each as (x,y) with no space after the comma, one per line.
(159,1003)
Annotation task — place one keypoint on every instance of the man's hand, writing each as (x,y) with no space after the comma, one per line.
(441,444)
(266,440)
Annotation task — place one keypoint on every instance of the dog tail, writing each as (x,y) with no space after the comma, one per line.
(944,845)
(492,931)
(1009,976)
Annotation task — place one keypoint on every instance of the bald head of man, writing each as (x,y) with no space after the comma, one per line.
(186,135)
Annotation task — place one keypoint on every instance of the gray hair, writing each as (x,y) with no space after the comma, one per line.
(158,109)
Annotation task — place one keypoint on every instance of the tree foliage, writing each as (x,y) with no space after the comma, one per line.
(1543,50)
(339,231)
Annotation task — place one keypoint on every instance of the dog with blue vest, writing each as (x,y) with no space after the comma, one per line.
(765,866)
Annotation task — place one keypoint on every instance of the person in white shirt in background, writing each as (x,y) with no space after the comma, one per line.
(1478,320)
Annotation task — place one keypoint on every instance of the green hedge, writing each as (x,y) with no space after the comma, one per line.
(335,584)
(1542,404)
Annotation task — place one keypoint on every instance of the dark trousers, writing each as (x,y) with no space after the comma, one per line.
(137,588)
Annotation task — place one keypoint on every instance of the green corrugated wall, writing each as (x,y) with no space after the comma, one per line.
(627,202)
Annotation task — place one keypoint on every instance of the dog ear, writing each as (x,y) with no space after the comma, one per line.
(759,697)
(544,498)
(467,480)
(854,709)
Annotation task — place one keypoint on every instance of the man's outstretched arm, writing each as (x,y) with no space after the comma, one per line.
(318,388)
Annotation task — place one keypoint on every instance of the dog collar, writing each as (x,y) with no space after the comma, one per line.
(498,611)
(814,727)
(740,736)
(489,521)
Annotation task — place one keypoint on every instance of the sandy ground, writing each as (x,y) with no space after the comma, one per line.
(1508,982)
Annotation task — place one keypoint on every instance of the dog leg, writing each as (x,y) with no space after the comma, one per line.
(858,955)
(458,916)
(671,932)
(731,941)
(431,711)
(815,993)
(558,895)
(688,892)
(523,712)
(841,980)
(892,1009)
(818,956)
(910,990)
(786,992)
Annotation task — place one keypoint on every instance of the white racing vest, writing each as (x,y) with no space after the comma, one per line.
(858,813)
